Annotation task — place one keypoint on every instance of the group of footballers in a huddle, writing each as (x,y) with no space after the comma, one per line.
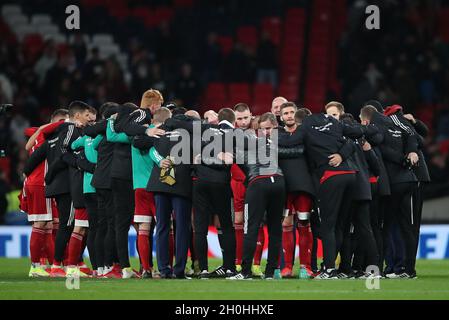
(92,174)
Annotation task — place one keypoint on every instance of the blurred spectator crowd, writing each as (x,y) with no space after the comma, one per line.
(406,63)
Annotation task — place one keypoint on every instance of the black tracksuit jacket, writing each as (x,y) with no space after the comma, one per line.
(394,145)
(102,175)
(298,177)
(323,136)
(420,130)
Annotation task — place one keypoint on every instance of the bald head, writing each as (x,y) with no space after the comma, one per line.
(193,114)
(276,105)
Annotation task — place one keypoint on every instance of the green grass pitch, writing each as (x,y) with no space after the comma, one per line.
(432,283)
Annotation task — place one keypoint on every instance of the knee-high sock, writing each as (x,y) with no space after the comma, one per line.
(305,245)
(49,246)
(37,243)
(83,247)
(287,245)
(75,248)
(238,243)
(43,259)
(138,249)
(259,246)
(144,248)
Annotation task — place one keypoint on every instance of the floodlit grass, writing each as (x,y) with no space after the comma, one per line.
(432,283)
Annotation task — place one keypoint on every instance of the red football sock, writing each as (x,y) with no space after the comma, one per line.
(49,246)
(287,246)
(238,243)
(143,245)
(37,243)
(305,245)
(259,246)
(83,247)
(75,247)
(43,259)
(171,247)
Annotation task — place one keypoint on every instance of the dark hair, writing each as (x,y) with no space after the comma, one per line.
(241,107)
(60,112)
(301,114)
(77,106)
(130,105)
(347,118)
(226,114)
(108,109)
(268,116)
(288,105)
(178,110)
(376,104)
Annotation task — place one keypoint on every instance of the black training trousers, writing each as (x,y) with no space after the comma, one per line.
(105,245)
(265,194)
(123,195)
(366,253)
(334,201)
(208,199)
(90,200)
(417,208)
(401,207)
(66,218)
(377,210)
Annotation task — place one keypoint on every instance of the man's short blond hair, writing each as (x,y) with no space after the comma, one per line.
(161,115)
(151,97)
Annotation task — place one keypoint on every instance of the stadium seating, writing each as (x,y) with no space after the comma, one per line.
(272,26)
(247,35)
(287,33)
(263,94)
(292,53)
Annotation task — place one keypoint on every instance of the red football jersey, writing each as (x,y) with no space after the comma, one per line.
(37,177)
